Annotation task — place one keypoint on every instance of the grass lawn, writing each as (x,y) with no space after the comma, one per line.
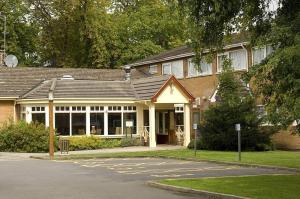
(258,187)
(272,158)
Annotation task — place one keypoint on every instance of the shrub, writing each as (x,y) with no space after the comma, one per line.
(199,144)
(95,142)
(24,137)
(234,105)
(125,142)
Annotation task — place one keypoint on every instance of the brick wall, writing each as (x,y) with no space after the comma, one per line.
(6,110)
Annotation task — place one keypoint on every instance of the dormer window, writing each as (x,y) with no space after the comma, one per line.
(238,60)
(173,68)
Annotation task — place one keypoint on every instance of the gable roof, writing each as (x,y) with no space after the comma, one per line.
(186,51)
(15,82)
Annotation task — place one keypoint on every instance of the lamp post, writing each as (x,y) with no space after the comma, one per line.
(238,129)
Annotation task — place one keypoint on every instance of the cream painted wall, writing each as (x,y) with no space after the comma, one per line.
(172,94)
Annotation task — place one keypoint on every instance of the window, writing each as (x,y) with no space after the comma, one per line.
(260,53)
(153,69)
(238,59)
(129,117)
(205,68)
(62,123)
(38,114)
(97,108)
(78,123)
(114,124)
(173,68)
(114,108)
(97,123)
(78,108)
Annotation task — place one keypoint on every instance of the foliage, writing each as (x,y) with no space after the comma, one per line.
(211,24)
(95,142)
(235,105)
(23,137)
(97,34)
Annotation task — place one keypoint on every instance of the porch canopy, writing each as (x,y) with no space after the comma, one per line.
(112,102)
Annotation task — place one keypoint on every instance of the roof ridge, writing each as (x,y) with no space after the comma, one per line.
(37,86)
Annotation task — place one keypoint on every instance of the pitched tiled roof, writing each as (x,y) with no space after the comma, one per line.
(187,51)
(15,82)
(146,88)
(139,89)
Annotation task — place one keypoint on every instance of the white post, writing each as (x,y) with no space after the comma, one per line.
(88,121)
(187,124)
(139,119)
(47,116)
(105,120)
(152,136)
(28,114)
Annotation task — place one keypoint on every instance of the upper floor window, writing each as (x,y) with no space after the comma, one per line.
(153,69)
(173,68)
(238,59)
(205,68)
(260,53)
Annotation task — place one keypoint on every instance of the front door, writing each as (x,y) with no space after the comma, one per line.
(163,126)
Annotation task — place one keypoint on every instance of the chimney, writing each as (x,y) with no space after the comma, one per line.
(127,70)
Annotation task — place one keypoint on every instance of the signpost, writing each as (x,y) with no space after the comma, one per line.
(238,129)
(195,126)
(129,124)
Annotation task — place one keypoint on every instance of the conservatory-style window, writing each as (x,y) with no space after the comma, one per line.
(38,114)
(62,120)
(129,115)
(238,59)
(97,120)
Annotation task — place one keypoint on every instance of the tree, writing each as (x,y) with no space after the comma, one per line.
(235,105)
(212,22)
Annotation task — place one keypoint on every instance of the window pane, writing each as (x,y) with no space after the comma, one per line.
(38,117)
(221,59)
(167,69)
(258,55)
(205,68)
(62,123)
(114,124)
(78,123)
(192,69)
(129,117)
(177,69)
(239,59)
(97,123)
(270,49)
(153,69)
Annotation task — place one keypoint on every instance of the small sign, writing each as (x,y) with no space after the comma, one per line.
(237,127)
(129,123)
(195,126)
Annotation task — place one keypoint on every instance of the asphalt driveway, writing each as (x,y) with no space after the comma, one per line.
(104,178)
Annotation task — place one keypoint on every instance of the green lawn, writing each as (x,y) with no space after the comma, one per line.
(272,158)
(258,187)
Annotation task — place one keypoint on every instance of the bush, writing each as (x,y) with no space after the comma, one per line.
(125,142)
(24,137)
(199,144)
(95,142)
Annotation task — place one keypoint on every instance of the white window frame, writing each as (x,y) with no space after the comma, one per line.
(227,55)
(199,73)
(171,67)
(153,69)
(259,47)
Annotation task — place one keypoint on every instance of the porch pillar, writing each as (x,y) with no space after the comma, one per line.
(187,124)
(140,119)
(152,136)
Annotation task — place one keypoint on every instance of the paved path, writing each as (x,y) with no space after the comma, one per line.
(104,178)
